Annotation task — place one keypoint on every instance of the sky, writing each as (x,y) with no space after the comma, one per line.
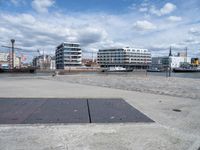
(97,24)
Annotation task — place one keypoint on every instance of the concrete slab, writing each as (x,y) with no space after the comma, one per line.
(171,130)
(95,137)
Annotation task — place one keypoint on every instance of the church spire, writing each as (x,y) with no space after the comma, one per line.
(170,51)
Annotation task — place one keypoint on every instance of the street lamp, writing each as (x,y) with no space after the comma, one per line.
(13,59)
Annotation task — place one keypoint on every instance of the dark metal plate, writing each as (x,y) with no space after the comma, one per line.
(60,111)
(52,110)
(16,110)
(114,110)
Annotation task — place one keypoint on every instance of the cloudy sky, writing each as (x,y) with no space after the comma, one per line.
(96,24)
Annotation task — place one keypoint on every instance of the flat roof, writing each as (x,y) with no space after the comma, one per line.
(124,48)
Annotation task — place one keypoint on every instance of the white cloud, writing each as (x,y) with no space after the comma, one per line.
(133,6)
(189,42)
(35,31)
(94,30)
(166,9)
(143,9)
(17,2)
(174,18)
(42,6)
(23,20)
(195,31)
(144,25)
(192,41)
(91,35)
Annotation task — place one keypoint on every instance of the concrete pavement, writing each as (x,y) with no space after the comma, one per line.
(171,130)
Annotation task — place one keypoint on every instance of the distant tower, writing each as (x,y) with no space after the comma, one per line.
(170,61)
(13,53)
(170,51)
(186,53)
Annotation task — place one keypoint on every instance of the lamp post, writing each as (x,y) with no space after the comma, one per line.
(13,59)
(170,67)
(170,61)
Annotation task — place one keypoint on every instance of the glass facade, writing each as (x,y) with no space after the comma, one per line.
(68,54)
(124,57)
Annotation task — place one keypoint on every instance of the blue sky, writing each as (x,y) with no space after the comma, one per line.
(110,6)
(96,24)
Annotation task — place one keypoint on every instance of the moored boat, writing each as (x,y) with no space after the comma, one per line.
(21,70)
(186,70)
(116,69)
(154,70)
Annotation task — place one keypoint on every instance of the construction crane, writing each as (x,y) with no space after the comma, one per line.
(90,52)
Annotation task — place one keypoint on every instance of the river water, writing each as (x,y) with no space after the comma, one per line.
(195,75)
(181,75)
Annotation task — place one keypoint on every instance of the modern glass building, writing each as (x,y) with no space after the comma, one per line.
(129,58)
(67,55)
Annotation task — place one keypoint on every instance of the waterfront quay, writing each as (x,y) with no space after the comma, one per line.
(176,115)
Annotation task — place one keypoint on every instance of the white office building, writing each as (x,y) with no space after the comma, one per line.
(130,58)
(165,61)
(176,61)
(68,55)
